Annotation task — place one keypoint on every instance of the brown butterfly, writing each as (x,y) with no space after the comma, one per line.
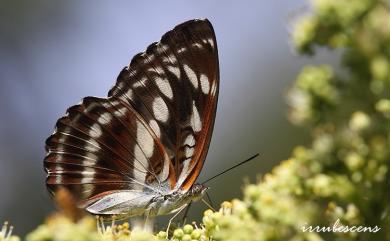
(140,150)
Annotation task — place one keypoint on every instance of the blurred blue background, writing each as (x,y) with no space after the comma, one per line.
(53,53)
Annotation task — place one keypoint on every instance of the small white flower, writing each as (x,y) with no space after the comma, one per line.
(6,232)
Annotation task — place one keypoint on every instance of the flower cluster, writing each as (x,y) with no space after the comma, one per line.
(314,95)
(59,227)
(345,172)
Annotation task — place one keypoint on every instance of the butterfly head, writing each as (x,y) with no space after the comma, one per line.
(197,191)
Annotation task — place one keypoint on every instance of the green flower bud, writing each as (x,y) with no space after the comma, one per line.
(359,121)
(162,235)
(352,213)
(208,222)
(321,185)
(323,144)
(188,229)
(186,237)
(252,192)
(196,234)
(304,33)
(380,68)
(354,161)
(178,233)
(383,106)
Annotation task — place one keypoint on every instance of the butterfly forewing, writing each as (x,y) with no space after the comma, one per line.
(152,132)
(174,87)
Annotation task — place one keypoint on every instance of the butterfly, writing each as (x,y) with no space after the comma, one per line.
(140,150)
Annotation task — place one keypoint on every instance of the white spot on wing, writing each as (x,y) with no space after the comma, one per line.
(140,165)
(59,169)
(140,83)
(59,178)
(91,145)
(160,109)
(164,87)
(142,151)
(211,42)
(129,94)
(189,151)
(197,45)
(120,85)
(196,121)
(145,140)
(91,106)
(181,50)
(191,76)
(95,131)
(172,58)
(105,118)
(121,112)
(58,172)
(113,102)
(170,61)
(174,70)
(153,124)
(87,181)
(88,172)
(86,178)
(87,189)
(190,140)
(204,84)
(158,69)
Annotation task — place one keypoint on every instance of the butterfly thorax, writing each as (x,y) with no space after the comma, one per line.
(172,202)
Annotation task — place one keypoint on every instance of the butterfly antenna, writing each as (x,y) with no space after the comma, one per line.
(231,168)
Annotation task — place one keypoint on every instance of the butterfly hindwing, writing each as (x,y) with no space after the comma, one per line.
(103,145)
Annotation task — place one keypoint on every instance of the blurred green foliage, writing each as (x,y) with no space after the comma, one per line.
(343,175)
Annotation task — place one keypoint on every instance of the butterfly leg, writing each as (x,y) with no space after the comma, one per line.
(148,224)
(113,224)
(101,229)
(173,217)
(210,201)
(208,205)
